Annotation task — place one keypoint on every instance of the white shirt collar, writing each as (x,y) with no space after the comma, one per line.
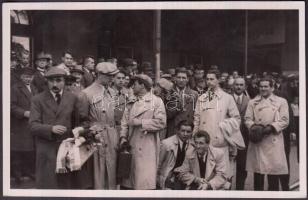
(54,94)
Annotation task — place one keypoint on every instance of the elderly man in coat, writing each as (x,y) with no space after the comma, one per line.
(204,168)
(267,156)
(22,142)
(217,113)
(51,122)
(140,126)
(98,102)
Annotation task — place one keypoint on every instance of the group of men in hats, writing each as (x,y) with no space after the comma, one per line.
(179,138)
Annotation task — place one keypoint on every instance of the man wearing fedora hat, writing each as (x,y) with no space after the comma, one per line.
(39,81)
(51,122)
(98,102)
(22,143)
(77,86)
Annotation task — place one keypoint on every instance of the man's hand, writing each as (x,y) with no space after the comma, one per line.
(59,129)
(27,114)
(203,186)
(135,122)
(199,181)
(268,130)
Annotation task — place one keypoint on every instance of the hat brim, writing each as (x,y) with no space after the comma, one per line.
(56,75)
(110,73)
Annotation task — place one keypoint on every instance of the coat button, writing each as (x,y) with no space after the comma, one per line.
(259,119)
(204,123)
(139,149)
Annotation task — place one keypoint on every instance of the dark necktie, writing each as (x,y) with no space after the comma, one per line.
(184,146)
(58,98)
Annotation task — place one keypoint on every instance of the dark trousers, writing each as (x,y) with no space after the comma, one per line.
(22,163)
(241,172)
(273,182)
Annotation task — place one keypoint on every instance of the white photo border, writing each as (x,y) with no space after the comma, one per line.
(235,5)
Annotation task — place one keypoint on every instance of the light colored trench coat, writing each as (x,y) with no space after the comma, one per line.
(99,103)
(267,157)
(210,114)
(144,140)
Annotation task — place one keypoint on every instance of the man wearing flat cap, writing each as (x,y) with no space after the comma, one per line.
(51,122)
(39,80)
(77,85)
(22,142)
(98,102)
(268,155)
(140,126)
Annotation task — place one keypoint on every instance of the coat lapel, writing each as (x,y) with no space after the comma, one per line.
(194,165)
(210,165)
(244,104)
(65,100)
(26,91)
(142,106)
(50,101)
(174,148)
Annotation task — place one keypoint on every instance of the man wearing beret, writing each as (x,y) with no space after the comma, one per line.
(98,102)
(51,122)
(140,126)
(268,155)
(22,142)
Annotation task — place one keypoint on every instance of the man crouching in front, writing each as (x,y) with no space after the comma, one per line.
(204,169)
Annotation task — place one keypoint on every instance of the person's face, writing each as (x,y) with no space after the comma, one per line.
(126,81)
(90,64)
(265,89)
(105,79)
(201,84)
(201,145)
(25,59)
(67,59)
(235,74)
(199,74)
(26,78)
(137,87)
(56,84)
(239,86)
(185,133)
(42,63)
(119,80)
(77,75)
(13,64)
(181,80)
(212,81)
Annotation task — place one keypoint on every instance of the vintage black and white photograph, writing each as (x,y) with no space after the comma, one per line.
(141,99)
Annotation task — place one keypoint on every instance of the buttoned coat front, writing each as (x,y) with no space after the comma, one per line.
(208,115)
(167,157)
(180,107)
(267,156)
(99,104)
(216,172)
(45,113)
(144,140)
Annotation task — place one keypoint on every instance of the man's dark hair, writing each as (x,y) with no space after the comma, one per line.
(198,67)
(140,81)
(214,71)
(185,123)
(67,52)
(87,57)
(267,78)
(122,72)
(204,134)
(181,70)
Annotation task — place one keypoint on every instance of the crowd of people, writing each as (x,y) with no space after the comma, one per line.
(194,128)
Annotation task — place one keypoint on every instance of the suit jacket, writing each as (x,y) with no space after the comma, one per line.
(21,139)
(45,113)
(167,158)
(216,169)
(87,78)
(39,81)
(179,109)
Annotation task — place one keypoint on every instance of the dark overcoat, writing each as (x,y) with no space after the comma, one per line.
(21,138)
(45,113)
